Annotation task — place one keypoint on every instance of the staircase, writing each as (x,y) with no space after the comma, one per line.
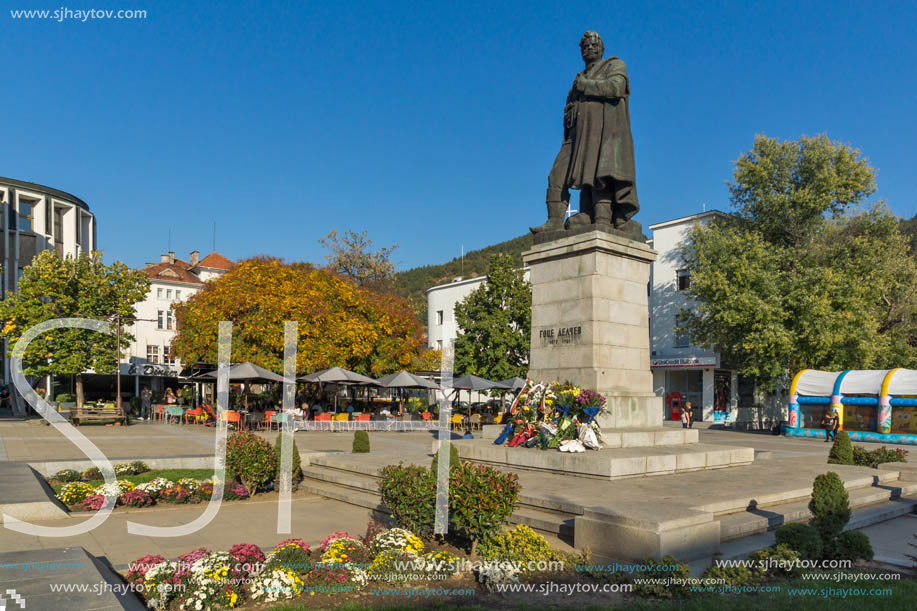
(745,526)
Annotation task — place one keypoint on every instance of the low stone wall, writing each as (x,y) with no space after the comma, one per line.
(49,468)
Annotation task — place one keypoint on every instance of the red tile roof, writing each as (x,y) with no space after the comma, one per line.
(216,261)
(175,272)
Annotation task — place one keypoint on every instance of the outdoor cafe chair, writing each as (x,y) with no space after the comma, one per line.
(268,415)
(456,421)
(344,421)
(197,414)
(499,419)
(428,418)
(277,419)
(322,419)
(174,413)
(362,421)
(232,417)
(476,422)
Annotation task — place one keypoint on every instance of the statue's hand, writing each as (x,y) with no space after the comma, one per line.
(569,114)
(579,83)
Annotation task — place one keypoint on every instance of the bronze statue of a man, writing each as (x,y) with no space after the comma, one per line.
(597,154)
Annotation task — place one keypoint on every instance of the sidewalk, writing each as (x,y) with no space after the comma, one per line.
(252,521)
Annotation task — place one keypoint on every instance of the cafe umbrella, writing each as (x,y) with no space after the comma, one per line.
(337,375)
(406,379)
(250,373)
(472,383)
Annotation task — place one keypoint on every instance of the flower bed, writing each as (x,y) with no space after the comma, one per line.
(554,416)
(345,570)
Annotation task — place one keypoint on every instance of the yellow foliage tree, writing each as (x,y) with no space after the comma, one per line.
(340,324)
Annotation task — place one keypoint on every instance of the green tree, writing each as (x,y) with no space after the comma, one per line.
(52,287)
(494,323)
(351,255)
(804,273)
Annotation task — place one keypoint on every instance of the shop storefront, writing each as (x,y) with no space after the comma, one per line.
(698,380)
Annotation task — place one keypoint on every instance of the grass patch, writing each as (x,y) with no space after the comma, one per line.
(142,478)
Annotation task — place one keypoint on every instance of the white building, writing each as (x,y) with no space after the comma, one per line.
(681,369)
(441,300)
(36,218)
(149,360)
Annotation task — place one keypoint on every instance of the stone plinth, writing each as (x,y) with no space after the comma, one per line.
(590,322)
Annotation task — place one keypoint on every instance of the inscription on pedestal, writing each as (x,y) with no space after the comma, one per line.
(560,336)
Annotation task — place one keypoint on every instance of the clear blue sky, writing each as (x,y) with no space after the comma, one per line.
(428,125)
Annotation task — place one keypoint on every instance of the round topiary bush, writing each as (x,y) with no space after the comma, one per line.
(297,461)
(830,507)
(853,545)
(360,442)
(252,459)
(841,451)
(802,539)
(453,459)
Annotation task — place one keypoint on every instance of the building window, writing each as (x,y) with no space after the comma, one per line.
(168,293)
(167,357)
(439,344)
(159,293)
(159,319)
(178,295)
(58,231)
(169,319)
(439,317)
(681,335)
(152,354)
(25,215)
(684,279)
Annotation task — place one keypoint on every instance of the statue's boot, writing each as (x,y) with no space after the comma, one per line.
(556,211)
(580,218)
(603,212)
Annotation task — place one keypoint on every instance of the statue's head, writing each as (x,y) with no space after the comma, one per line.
(591,46)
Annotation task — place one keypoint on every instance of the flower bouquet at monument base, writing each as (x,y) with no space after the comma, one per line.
(554,416)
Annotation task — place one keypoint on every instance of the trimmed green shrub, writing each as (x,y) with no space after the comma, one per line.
(67,475)
(841,451)
(780,560)
(521,544)
(801,538)
(409,493)
(481,499)
(734,576)
(360,442)
(453,459)
(297,462)
(874,458)
(252,459)
(830,507)
(65,397)
(853,545)
(661,573)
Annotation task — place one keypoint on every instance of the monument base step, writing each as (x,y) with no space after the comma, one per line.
(611,463)
(624,438)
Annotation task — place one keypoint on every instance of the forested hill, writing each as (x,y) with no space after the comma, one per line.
(412,283)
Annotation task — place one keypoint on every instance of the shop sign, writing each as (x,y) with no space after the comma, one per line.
(685,361)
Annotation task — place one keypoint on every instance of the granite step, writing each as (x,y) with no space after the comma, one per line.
(343,494)
(770,517)
(345,479)
(861,517)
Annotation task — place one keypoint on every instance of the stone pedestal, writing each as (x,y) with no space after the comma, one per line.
(590,322)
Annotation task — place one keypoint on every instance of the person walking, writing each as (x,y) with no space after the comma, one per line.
(828,422)
(686,416)
(690,409)
(146,400)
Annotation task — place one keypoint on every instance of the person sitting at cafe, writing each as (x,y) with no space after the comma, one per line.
(467,434)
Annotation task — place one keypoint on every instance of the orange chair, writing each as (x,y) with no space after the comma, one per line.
(322,419)
(428,418)
(197,414)
(359,420)
(232,417)
(267,419)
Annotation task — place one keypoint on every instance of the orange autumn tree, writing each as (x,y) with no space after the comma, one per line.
(340,324)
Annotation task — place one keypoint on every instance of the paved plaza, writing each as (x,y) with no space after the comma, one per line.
(313,516)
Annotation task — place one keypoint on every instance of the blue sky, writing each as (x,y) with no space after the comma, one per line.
(430,125)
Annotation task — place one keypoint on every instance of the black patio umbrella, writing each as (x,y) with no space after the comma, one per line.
(405,379)
(472,382)
(248,372)
(511,384)
(337,375)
